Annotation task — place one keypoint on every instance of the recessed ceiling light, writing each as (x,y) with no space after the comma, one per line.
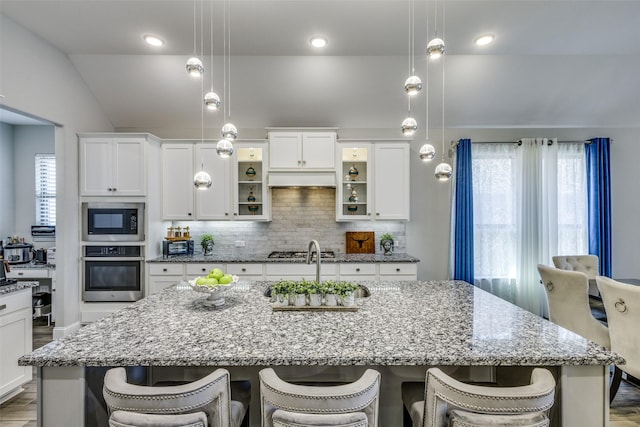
(153,40)
(484,39)
(318,41)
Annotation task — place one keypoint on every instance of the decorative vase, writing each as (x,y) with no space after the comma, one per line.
(251,197)
(348,300)
(207,247)
(251,172)
(299,300)
(387,246)
(353,172)
(331,300)
(281,300)
(315,300)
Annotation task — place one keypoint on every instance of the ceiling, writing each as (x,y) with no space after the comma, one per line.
(553,63)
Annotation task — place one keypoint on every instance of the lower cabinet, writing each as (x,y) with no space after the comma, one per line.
(15,341)
(355,272)
(163,275)
(296,271)
(398,271)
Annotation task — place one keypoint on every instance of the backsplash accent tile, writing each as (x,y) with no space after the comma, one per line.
(298,216)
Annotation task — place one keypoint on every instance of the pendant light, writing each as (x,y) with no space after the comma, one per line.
(229,131)
(202,180)
(211,99)
(443,170)
(436,48)
(413,84)
(194,64)
(427,151)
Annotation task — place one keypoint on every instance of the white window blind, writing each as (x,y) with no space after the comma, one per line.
(45,189)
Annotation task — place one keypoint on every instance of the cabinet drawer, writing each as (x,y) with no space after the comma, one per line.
(357,269)
(165,269)
(28,273)
(394,269)
(299,269)
(15,301)
(202,269)
(245,269)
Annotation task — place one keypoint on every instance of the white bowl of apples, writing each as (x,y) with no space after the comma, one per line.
(214,284)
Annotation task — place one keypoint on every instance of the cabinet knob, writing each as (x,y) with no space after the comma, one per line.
(357,269)
(109,189)
(377,213)
(244,269)
(21,274)
(397,269)
(164,269)
(115,189)
(204,269)
(304,162)
(189,214)
(369,213)
(226,213)
(299,161)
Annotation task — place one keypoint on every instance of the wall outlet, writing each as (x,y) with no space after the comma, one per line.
(239,243)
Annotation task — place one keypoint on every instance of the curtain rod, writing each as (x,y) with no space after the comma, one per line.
(454,144)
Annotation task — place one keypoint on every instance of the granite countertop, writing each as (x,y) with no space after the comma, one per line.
(402,323)
(31,264)
(8,289)
(264,258)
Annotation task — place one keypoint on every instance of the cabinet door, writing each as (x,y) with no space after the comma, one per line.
(391,181)
(251,201)
(15,340)
(285,150)
(158,283)
(318,150)
(129,167)
(96,167)
(212,203)
(353,191)
(177,182)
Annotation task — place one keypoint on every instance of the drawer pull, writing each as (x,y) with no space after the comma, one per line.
(164,269)
(397,269)
(244,269)
(204,269)
(21,274)
(357,269)
(3,306)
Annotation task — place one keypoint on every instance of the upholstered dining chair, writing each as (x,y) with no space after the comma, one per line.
(211,395)
(432,404)
(568,298)
(136,419)
(360,397)
(587,264)
(622,304)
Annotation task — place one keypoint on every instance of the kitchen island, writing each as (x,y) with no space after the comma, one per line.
(401,329)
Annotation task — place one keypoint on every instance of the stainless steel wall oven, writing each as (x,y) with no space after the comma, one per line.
(112,273)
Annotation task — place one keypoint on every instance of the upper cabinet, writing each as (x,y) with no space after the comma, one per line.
(292,150)
(181,200)
(113,165)
(373,181)
(251,194)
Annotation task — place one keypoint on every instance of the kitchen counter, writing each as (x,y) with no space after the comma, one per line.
(31,264)
(264,258)
(8,289)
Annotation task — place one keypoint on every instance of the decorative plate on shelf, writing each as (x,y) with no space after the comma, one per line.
(215,291)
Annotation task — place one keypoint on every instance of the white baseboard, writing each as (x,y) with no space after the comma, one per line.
(62,331)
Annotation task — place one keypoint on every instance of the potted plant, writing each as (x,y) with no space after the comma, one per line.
(298,292)
(280,293)
(206,241)
(347,293)
(314,290)
(386,243)
(330,293)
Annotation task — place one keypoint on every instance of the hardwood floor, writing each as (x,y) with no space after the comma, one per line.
(21,410)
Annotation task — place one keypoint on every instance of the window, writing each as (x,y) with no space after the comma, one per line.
(45,189)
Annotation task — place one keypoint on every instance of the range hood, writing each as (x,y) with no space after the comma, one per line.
(302,179)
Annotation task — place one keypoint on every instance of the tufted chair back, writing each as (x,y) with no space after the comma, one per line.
(360,396)
(569,303)
(587,264)
(622,304)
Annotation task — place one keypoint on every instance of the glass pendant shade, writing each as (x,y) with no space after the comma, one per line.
(195,67)
(443,172)
(427,152)
(229,131)
(409,126)
(224,148)
(413,85)
(202,180)
(435,48)
(212,100)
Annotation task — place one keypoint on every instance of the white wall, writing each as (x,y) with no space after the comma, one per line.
(27,142)
(46,85)
(6,181)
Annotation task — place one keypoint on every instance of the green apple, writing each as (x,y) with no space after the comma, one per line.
(226,279)
(206,281)
(216,273)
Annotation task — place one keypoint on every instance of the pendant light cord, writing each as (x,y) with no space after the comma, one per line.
(229,38)
(211,21)
(224,57)
(426,77)
(194,27)
(443,59)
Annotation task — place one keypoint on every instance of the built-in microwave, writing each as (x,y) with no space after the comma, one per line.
(112,222)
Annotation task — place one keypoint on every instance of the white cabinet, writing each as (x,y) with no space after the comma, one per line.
(112,165)
(15,341)
(391,185)
(297,271)
(181,200)
(357,272)
(301,150)
(163,275)
(199,270)
(353,177)
(251,199)
(398,271)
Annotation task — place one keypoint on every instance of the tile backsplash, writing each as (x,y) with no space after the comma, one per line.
(298,216)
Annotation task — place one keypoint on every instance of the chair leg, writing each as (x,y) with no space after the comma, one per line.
(615,384)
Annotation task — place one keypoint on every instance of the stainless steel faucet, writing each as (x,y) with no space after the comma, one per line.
(317,245)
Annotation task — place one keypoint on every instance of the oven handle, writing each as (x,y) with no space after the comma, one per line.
(115,259)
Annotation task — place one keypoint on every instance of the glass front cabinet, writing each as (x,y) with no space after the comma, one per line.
(353,169)
(251,198)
